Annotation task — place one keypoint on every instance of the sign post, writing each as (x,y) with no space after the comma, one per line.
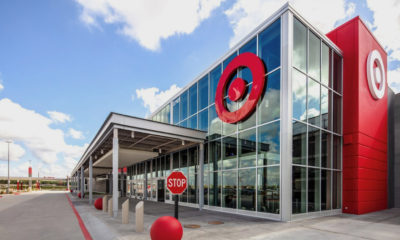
(176,184)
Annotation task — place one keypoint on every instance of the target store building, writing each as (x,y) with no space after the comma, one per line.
(290,123)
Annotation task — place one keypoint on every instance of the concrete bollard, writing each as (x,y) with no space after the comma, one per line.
(139,210)
(125,212)
(110,209)
(105,203)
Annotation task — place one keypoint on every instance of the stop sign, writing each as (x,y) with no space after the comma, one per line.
(176,182)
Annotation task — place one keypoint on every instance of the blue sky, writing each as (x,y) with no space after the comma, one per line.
(83,59)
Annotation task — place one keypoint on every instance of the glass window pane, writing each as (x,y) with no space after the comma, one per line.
(269,107)
(168,114)
(299,98)
(214,124)
(337,113)
(215,189)
(229,152)
(269,144)
(251,120)
(299,193)
(269,46)
(192,179)
(175,161)
(337,152)
(203,120)
(313,146)
(183,163)
(215,155)
(337,190)
(247,186)
(229,189)
(247,148)
(268,189)
(299,45)
(326,65)
(183,124)
(314,56)
(314,95)
(326,149)
(326,190)
(184,105)
(203,92)
(326,106)
(206,184)
(337,73)
(250,46)
(214,79)
(313,190)
(227,128)
(192,122)
(193,99)
(175,110)
(299,143)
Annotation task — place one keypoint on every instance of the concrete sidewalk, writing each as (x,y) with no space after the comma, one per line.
(38,215)
(379,225)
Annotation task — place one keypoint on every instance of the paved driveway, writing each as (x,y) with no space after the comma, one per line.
(41,215)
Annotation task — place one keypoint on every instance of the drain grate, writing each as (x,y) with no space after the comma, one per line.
(191,226)
(215,222)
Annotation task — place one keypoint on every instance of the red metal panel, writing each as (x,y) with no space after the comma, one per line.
(364,122)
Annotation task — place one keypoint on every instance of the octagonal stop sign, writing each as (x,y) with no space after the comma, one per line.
(177,182)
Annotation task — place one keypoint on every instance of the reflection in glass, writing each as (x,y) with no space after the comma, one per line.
(269,46)
(183,124)
(206,184)
(214,124)
(250,46)
(214,78)
(247,185)
(299,45)
(175,161)
(184,105)
(175,110)
(193,99)
(299,143)
(337,73)
(215,155)
(337,150)
(203,120)
(269,144)
(313,190)
(247,148)
(326,65)
(227,128)
(192,179)
(269,107)
(299,193)
(326,189)
(299,90)
(313,146)
(326,113)
(229,189)
(268,189)
(215,189)
(183,163)
(314,95)
(326,143)
(203,92)
(192,122)
(337,113)
(250,121)
(229,152)
(314,56)
(337,190)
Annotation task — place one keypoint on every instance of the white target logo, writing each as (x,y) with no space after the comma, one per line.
(376,75)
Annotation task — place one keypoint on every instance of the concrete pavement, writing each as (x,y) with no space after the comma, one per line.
(38,215)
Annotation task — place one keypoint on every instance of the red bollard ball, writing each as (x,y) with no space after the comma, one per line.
(98,204)
(166,228)
(79,195)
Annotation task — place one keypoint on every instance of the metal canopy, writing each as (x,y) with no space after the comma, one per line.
(139,139)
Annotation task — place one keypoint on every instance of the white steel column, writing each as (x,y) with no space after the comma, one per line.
(90,180)
(115,172)
(68,183)
(286,116)
(200,176)
(82,182)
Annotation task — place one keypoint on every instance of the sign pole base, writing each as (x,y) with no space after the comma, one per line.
(176,206)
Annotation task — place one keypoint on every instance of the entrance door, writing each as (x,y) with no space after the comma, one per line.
(160,190)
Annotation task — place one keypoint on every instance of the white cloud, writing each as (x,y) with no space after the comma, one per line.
(394,80)
(59,117)
(34,132)
(16,151)
(153,98)
(148,22)
(75,134)
(323,14)
(1,86)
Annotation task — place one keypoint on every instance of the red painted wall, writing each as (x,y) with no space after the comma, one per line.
(364,123)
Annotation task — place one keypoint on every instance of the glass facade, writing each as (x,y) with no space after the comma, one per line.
(242,162)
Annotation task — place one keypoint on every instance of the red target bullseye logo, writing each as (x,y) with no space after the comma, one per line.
(238,89)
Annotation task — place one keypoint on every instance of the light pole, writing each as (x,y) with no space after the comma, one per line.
(8,182)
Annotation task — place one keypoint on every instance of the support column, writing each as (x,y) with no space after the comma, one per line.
(286,117)
(145,181)
(68,183)
(200,176)
(82,182)
(90,180)
(115,172)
